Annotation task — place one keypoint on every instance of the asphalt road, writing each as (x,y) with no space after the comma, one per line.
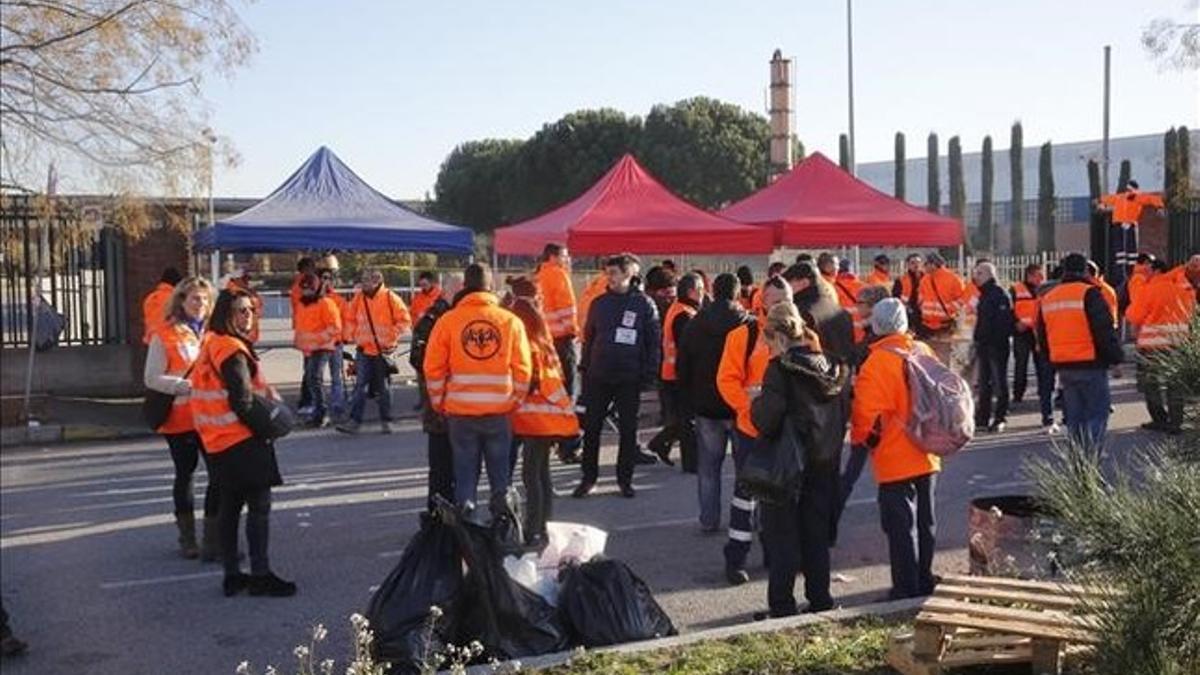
(92,580)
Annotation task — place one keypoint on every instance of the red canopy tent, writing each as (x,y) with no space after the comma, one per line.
(819,204)
(629,210)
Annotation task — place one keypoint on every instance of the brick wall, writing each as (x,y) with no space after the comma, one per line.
(145,260)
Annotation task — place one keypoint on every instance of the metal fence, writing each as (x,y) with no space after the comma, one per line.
(81,264)
(1183,239)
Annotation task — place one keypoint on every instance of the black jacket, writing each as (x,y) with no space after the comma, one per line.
(250,464)
(809,388)
(823,313)
(699,357)
(1099,318)
(622,342)
(993,316)
(431,422)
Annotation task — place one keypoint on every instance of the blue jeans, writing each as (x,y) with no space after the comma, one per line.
(712,437)
(337,382)
(314,381)
(488,437)
(906,512)
(372,377)
(1085,404)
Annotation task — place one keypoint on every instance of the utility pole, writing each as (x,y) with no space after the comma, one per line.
(1104,184)
(852,164)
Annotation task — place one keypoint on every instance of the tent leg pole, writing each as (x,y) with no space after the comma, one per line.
(858,260)
(215,262)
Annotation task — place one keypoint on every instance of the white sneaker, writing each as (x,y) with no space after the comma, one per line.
(1052,429)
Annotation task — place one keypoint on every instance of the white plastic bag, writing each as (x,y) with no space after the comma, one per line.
(571,542)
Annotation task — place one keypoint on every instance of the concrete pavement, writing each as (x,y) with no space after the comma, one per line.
(92,581)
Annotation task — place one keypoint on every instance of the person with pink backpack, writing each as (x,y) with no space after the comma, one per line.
(908,409)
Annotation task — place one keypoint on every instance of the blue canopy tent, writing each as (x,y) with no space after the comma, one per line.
(324,206)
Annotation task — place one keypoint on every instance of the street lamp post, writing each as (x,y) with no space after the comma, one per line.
(210,139)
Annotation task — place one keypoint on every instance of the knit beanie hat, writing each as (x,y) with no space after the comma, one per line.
(889,317)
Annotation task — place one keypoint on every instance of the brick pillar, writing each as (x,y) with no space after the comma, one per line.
(145,259)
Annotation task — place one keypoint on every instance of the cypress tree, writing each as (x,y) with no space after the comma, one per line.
(958,187)
(934,187)
(844,152)
(1093,171)
(1098,220)
(1183,172)
(1016,159)
(900,166)
(987,173)
(1124,176)
(1046,201)
(1170,166)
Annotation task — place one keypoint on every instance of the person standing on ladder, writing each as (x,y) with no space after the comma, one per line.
(1126,208)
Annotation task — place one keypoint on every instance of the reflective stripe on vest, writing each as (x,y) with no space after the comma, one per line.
(1154,336)
(1067,330)
(216,422)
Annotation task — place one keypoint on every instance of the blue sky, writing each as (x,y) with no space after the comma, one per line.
(392,87)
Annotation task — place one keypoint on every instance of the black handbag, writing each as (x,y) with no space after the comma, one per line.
(283,420)
(772,471)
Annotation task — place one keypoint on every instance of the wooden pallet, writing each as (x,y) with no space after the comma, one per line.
(988,620)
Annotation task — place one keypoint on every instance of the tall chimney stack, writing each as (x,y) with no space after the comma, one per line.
(781,115)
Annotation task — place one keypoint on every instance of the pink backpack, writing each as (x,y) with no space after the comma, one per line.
(942,418)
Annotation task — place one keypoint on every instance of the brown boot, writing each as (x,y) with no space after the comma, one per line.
(210,548)
(186,522)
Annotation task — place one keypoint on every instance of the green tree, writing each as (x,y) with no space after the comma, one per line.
(564,158)
(958,186)
(844,152)
(934,185)
(1046,200)
(987,237)
(1093,171)
(471,183)
(1124,176)
(900,166)
(1016,163)
(1176,164)
(798,150)
(707,151)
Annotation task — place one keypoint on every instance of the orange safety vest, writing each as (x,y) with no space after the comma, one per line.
(1110,298)
(1025,305)
(667,372)
(906,288)
(1163,314)
(1067,330)
(547,411)
(389,315)
(343,307)
(739,380)
(558,299)
(477,361)
(940,295)
(318,326)
(216,422)
(881,409)
(154,309)
(878,277)
(595,288)
(182,347)
(749,298)
(1127,206)
(423,300)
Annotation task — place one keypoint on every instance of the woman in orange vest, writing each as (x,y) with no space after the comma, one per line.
(235,428)
(545,417)
(906,475)
(174,346)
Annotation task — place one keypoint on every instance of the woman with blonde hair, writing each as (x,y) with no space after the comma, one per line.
(174,346)
(802,385)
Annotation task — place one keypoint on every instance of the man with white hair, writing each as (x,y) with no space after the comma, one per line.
(993,330)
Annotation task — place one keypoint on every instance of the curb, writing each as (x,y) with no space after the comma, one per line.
(878,609)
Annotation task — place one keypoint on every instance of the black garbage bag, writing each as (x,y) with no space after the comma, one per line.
(509,620)
(429,573)
(605,603)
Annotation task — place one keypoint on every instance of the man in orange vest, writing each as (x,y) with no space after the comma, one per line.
(154,305)
(553,280)
(847,285)
(906,475)
(906,287)
(1137,278)
(1110,294)
(1162,317)
(304,265)
(327,271)
(941,299)
(678,422)
(748,296)
(1025,308)
(317,335)
(428,292)
(1075,329)
(380,318)
(477,371)
(881,275)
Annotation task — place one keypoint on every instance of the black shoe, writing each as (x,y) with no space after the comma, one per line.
(583,489)
(664,455)
(1154,426)
(235,583)
(761,615)
(643,458)
(269,584)
(627,491)
(11,646)
(817,609)
(736,576)
(568,457)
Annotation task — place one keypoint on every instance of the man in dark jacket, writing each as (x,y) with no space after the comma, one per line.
(678,421)
(441,461)
(993,328)
(1075,328)
(818,305)
(621,352)
(699,357)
